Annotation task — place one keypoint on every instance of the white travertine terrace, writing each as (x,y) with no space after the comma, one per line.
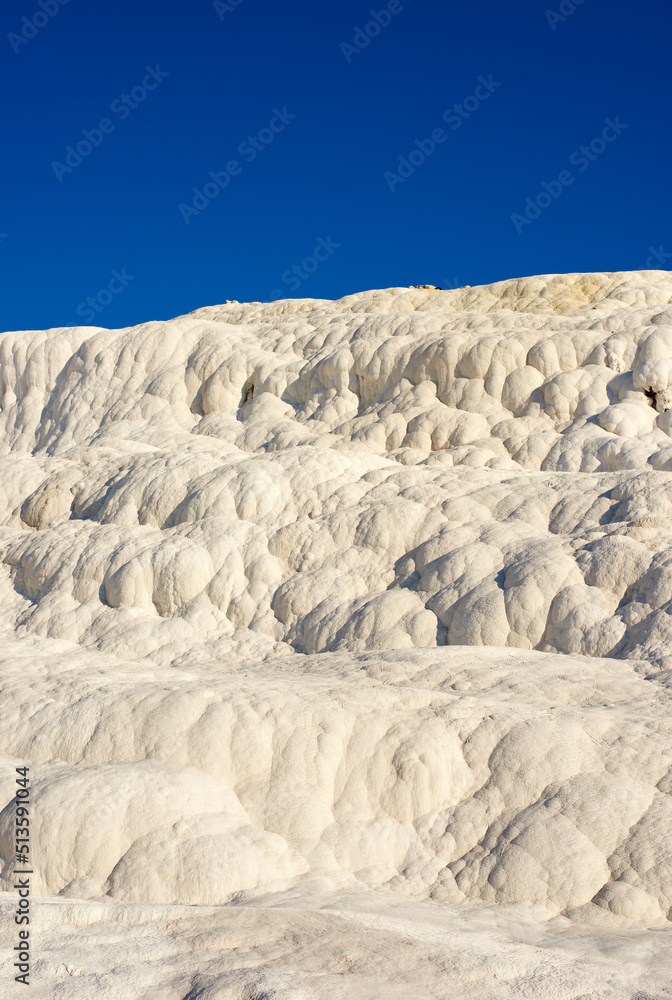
(354,614)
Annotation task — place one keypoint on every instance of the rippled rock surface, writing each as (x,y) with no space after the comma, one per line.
(338,639)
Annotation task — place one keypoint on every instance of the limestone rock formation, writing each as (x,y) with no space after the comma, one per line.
(321,617)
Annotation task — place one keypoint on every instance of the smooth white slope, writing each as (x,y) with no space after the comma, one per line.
(321,946)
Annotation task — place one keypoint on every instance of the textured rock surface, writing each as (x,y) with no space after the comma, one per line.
(347,614)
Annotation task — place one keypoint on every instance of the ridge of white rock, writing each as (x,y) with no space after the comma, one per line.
(307,600)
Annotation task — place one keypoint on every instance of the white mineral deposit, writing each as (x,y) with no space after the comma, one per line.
(337,637)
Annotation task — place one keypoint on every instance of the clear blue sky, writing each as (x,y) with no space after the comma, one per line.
(332,172)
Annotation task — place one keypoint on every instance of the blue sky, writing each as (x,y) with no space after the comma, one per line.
(440,143)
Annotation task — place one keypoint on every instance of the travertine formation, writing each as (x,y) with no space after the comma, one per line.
(357,600)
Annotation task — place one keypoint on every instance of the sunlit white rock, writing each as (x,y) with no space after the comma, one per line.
(309,600)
